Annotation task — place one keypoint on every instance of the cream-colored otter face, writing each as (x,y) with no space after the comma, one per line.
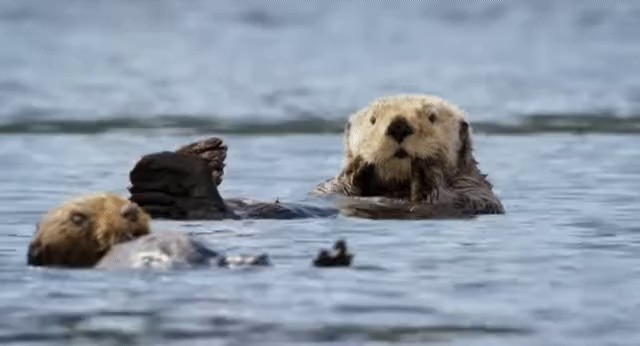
(391,131)
(79,232)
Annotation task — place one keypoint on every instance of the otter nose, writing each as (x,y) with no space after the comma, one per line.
(399,129)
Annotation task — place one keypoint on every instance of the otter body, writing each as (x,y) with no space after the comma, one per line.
(108,231)
(415,149)
(182,185)
(171,250)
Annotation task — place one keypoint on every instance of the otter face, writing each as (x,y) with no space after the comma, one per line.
(392,131)
(79,232)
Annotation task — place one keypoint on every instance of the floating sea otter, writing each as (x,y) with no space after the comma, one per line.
(407,156)
(108,231)
(415,148)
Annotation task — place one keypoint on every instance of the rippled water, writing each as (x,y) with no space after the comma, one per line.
(560,268)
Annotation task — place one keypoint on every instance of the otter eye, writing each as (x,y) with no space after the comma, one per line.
(130,212)
(78,218)
(373,120)
(433,117)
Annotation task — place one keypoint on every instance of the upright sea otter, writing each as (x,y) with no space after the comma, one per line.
(414,148)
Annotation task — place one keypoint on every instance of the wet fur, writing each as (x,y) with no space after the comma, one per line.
(447,178)
(81,231)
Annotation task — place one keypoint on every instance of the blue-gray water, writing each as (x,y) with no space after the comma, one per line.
(86,88)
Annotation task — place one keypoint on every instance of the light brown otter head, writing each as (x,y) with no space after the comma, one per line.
(392,131)
(79,232)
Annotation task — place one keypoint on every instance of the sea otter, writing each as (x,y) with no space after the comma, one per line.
(108,231)
(182,185)
(407,157)
(414,148)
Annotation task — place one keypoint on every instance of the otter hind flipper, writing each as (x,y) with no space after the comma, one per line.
(213,151)
(176,186)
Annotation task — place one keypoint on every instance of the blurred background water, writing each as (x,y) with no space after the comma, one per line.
(552,89)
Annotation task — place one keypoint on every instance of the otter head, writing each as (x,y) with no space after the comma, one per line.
(392,131)
(81,231)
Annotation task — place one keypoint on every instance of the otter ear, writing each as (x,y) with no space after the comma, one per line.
(465,153)
(347,131)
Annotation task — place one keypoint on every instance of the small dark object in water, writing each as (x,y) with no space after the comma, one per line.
(341,258)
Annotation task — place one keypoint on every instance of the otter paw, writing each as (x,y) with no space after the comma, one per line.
(423,194)
(340,258)
(213,151)
(360,177)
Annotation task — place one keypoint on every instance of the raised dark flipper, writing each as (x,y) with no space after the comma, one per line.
(213,151)
(176,186)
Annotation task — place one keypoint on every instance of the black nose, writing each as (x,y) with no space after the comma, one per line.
(399,129)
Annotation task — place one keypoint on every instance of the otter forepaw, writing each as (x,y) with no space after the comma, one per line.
(422,194)
(426,182)
(213,151)
(359,175)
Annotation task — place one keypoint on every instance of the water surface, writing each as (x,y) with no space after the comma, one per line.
(552,89)
(560,267)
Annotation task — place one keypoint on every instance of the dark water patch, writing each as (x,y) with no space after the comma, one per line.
(269,19)
(465,14)
(51,338)
(194,124)
(575,123)
(564,123)
(373,268)
(376,308)
(407,333)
